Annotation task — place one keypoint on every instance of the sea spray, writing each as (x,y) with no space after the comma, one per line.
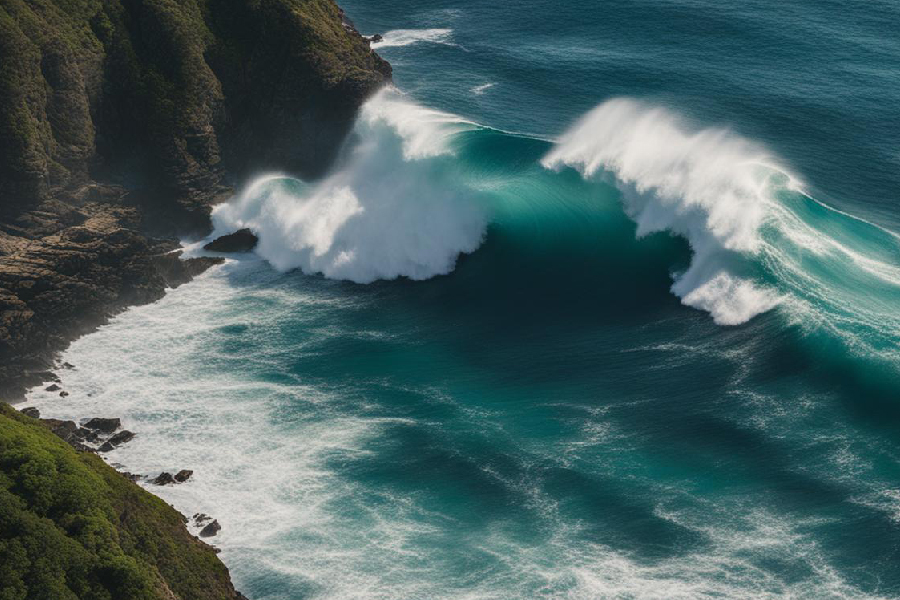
(395,208)
(713,187)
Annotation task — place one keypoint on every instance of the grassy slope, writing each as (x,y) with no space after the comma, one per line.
(72,528)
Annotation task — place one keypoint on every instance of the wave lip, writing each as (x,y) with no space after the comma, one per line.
(406,37)
(712,187)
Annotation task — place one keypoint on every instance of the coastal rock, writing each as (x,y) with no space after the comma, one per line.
(117,440)
(68,432)
(177,271)
(163,478)
(211,529)
(63,394)
(375,38)
(52,388)
(32,412)
(183,475)
(103,425)
(122,437)
(242,240)
(87,435)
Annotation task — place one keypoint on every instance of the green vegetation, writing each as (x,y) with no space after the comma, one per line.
(72,528)
(168,93)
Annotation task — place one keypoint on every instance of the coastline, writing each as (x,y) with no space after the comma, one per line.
(113,168)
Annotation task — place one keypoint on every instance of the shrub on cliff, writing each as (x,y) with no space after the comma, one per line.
(72,528)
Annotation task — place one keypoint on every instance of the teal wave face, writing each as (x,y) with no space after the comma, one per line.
(423,187)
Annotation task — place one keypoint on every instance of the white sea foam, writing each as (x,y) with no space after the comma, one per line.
(390,211)
(711,186)
(405,37)
(478,90)
(271,458)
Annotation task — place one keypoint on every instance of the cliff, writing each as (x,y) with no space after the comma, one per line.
(136,116)
(121,123)
(72,528)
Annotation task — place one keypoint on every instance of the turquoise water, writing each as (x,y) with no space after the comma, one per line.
(602,301)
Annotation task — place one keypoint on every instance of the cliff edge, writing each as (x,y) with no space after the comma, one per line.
(125,118)
(121,123)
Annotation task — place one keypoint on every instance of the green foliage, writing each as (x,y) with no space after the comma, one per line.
(73,528)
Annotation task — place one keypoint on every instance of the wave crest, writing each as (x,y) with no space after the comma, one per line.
(712,186)
(394,209)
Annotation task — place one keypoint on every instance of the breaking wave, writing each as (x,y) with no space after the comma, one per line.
(391,210)
(420,187)
(712,187)
(406,37)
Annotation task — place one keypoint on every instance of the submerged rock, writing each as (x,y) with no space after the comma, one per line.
(211,529)
(242,240)
(104,425)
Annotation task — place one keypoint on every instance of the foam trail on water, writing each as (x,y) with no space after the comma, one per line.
(712,187)
(395,209)
(406,37)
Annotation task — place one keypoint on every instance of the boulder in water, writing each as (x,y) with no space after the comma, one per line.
(242,240)
(183,475)
(103,425)
(163,478)
(211,529)
(120,438)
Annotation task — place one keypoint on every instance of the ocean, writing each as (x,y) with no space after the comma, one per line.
(602,300)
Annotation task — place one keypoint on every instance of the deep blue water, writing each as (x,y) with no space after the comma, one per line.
(603,301)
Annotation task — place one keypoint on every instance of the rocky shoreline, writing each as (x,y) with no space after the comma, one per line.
(121,125)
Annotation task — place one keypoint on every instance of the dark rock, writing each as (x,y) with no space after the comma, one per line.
(242,240)
(63,394)
(106,447)
(183,475)
(32,412)
(375,38)
(68,365)
(120,438)
(132,476)
(68,432)
(176,271)
(163,478)
(200,519)
(211,529)
(52,388)
(104,425)
(87,435)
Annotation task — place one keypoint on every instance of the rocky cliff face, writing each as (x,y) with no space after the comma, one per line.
(123,117)
(173,99)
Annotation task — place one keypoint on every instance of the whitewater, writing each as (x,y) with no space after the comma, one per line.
(400,206)
(595,304)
